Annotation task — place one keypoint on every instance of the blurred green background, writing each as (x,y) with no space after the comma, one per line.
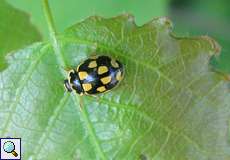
(190,18)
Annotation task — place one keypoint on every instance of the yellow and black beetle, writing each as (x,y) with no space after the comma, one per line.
(96,74)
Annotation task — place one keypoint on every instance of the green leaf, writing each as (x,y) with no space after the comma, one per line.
(170,105)
(15,31)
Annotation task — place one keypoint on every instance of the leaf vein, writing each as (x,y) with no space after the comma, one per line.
(22,83)
(51,122)
(90,129)
(155,69)
(151,119)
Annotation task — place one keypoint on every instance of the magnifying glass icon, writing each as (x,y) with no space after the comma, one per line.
(9,147)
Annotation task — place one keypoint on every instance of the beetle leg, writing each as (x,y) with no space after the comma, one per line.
(95,96)
(81,103)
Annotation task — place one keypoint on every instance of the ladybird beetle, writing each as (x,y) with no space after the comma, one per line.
(95,75)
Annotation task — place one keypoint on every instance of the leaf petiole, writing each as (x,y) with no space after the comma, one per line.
(53,34)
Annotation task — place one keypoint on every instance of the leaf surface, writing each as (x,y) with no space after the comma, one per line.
(170,105)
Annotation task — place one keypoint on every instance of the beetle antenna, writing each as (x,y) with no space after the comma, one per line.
(65,68)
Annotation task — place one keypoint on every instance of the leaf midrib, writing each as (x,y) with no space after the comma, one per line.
(93,136)
(91,131)
(62,63)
